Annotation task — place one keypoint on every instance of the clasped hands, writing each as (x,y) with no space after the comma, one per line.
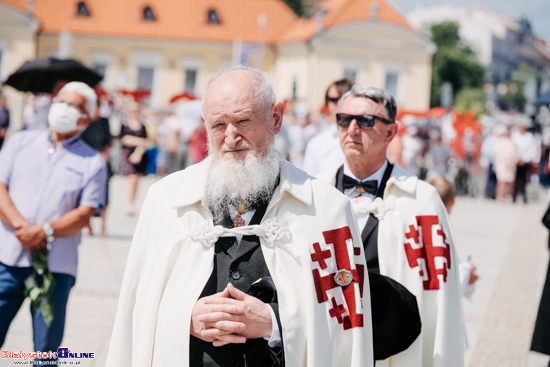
(222,320)
(30,235)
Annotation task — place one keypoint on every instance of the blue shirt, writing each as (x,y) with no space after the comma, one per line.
(44,183)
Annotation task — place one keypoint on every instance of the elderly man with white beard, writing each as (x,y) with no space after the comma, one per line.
(243,259)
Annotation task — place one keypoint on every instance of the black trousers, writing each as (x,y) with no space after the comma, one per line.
(522,175)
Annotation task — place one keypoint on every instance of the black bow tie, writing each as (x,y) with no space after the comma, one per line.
(370,186)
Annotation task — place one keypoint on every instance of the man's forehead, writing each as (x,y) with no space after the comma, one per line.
(236,80)
(230,95)
(229,110)
(361,104)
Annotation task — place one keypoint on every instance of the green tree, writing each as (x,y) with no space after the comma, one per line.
(514,97)
(454,62)
(471,99)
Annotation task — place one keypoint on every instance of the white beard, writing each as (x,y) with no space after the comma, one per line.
(241,181)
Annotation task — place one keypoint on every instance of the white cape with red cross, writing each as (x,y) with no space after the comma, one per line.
(416,248)
(323,323)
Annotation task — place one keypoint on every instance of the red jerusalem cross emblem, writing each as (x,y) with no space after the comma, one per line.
(426,249)
(344,277)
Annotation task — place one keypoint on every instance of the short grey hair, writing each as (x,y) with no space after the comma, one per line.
(378,95)
(85,91)
(261,81)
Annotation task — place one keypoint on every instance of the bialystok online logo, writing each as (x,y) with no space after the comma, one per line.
(61,353)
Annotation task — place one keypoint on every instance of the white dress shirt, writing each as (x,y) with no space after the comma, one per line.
(527,147)
(367,198)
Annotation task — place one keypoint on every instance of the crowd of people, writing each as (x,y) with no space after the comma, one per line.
(511,147)
(282,237)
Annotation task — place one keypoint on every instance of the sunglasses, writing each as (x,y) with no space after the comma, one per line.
(333,100)
(364,121)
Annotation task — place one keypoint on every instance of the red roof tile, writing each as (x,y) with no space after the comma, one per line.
(187,19)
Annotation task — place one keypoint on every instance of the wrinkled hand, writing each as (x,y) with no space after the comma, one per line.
(256,317)
(213,320)
(31,236)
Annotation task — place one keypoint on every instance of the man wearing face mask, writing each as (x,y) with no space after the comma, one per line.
(51,183)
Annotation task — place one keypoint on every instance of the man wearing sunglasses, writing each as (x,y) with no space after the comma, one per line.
(403,224)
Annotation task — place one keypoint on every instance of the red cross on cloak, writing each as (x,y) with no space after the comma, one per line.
(338,238)
(428,252)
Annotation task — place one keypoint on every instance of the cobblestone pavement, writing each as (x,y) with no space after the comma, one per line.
(506,242)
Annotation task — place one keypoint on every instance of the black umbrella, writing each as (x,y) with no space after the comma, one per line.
(543,100)
(40,75)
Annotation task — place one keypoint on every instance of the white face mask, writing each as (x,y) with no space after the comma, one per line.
(64,118)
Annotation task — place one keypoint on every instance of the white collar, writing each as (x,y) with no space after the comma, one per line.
(378,175)
(192,184)
(403,180)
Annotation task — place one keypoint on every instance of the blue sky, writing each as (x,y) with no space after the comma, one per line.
(537,11)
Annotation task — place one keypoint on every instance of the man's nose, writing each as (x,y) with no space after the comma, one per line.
(354,128)
(232,136)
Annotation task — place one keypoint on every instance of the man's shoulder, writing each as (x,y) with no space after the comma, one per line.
(187,182)
(87,149)
(422,191)
(318,187)
(426,190)
(29,134)
(329,175)
(89,154)
(404,181)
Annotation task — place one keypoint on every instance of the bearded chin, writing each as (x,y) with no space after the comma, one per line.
(244,181)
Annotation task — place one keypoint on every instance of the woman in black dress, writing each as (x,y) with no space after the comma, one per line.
(133,139)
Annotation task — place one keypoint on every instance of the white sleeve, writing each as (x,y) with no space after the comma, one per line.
(275,339)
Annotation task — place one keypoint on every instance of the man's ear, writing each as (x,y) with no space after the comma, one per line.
(277,116)
(202,118)
(392,131)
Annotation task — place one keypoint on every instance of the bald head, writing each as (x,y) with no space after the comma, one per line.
(241,114)
(257,80)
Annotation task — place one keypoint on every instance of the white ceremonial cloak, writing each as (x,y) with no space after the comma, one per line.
(416,248)
(323,324)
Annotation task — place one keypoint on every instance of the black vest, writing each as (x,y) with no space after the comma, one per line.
(369,234)
(241,264)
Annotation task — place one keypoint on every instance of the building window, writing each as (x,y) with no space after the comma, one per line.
(191,71)
(213,17)
(392,79)
(190,81)
(146,72)
(294,89)
(351,69)
(145,78)
(350,73)
(101,64)
(148,13)
(82,9)
(145,82)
